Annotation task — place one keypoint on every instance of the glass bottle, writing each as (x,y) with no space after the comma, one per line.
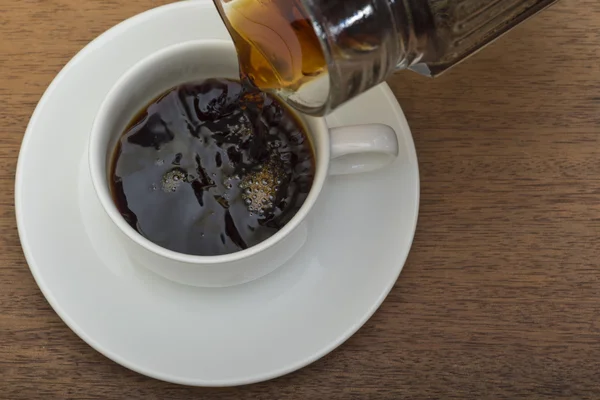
(362,42)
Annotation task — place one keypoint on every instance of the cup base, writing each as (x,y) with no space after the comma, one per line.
(220,275)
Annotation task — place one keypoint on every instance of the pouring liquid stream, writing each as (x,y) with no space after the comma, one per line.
(278,49)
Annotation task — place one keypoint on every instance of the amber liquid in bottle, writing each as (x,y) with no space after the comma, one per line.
(277,47)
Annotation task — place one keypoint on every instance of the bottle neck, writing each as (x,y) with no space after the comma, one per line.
(413,25)
(365,41)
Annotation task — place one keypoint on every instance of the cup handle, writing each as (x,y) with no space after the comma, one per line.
(362,148)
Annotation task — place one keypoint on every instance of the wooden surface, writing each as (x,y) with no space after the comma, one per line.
(500,297)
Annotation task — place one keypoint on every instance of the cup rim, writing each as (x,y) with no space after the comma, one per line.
(100,179)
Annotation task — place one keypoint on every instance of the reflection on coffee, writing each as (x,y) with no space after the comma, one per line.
(212,168)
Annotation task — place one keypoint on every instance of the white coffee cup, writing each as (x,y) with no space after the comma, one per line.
(346,150)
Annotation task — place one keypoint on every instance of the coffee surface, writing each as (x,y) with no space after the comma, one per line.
(212,168)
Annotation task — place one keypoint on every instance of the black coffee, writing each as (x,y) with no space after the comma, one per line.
(212,168)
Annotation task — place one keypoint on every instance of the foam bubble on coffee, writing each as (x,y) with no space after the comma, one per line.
(261,186)
(172,180)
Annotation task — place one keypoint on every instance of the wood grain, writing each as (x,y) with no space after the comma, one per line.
(500,297)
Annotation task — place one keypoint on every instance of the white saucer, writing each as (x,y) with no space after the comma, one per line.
(360,234)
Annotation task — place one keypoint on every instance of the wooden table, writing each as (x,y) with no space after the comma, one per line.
(500,297)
